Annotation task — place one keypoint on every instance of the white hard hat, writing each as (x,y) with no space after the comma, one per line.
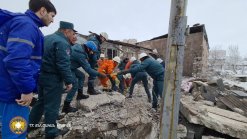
(117,59)
(142,55)
(102,55)
(127,76)
(159,60)
(132,59)
(104,34)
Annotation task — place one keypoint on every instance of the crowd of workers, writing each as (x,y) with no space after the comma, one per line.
(31,63)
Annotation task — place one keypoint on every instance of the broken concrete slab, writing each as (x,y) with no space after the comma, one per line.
(208,103)
(211,137)
(98,100)
(241,78)
(107,119)
(223,121)
(131,120)
(203,90)
(240,94)
(233,84)
(201,83)
(181,131)
(212,80)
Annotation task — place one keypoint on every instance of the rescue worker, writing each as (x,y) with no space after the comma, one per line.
(21,50)
(128,80)
(79,74)
(161,62)
(107,68)
(121,67)
(138,76)
(55,71)
(80,79)
(79,58)
(154,54)
(98,40)
(101,60)
(155,70)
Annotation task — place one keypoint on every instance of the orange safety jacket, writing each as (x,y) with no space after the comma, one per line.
(107,67)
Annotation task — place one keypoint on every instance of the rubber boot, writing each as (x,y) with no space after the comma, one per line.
(113,83)
(67,108)
(130,96)
(80,95)
(91,90)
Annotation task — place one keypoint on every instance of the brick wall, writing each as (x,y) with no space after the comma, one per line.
(196,48)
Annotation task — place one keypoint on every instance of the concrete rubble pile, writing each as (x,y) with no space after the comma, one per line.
(209,109)
(111,120)
(212,105)
(110,116)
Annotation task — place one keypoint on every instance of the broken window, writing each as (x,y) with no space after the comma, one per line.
(111,53)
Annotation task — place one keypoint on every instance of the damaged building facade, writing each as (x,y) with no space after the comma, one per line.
(125,48)
(122,49)
(195,54)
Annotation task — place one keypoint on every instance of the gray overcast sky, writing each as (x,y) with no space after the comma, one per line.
(225,20)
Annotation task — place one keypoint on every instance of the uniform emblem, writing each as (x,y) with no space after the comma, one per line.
(18,125)
(68,51)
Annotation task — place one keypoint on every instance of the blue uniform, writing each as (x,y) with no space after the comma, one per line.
(55,70)
(79,58)
(156,71)
(139,76)
(93,59)
(80,78)
(163,64)
(21,49)
(97,41)
(121,67)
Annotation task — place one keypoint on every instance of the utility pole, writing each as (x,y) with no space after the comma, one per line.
(174,67)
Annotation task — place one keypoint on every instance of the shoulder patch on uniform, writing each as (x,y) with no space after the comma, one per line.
(68,51)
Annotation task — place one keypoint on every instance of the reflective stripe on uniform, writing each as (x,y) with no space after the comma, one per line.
(36,57)
(3,48)
(21,40)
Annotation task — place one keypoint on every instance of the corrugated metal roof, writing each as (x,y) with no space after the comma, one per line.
(233,102)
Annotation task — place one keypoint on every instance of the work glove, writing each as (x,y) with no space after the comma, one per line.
(102,75)
(111,75)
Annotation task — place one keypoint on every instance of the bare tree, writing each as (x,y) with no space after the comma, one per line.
(217,56)
(234,56)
